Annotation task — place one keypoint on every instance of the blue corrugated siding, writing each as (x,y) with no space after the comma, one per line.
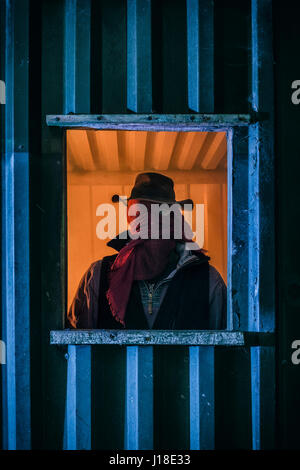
(15,233)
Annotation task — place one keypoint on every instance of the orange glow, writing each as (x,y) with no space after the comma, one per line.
(103,163)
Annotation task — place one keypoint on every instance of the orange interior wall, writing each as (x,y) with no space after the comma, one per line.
(85,192)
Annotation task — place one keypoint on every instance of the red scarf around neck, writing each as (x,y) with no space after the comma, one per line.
(141,259)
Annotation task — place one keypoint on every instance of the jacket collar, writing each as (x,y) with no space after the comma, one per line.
(123,238)
(119,241)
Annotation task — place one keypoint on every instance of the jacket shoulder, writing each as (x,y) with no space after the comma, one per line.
(96,265)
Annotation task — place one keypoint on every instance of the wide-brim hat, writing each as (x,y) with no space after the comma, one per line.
(154,187)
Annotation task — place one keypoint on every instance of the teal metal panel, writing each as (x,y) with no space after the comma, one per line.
(3,416)
(261,173)
(202,397)
(238,252)
(15,231)
(50,254)
(232,67)
(139,58)
(108,396)
(171,397)
(263,403)
(233,398)
(77,56)
(109,52)
(262,226)
(139,398)
(78,403)
(169,44)
(200,44)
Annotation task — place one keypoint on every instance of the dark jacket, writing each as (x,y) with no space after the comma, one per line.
(188,303)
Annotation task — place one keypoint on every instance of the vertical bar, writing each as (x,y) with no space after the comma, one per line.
(139,398)
(78,405)
(50,259)
(200,45)
(3,39)
(109,81)
(77,59)
(237,266)
(202,398)
(254,228)
(261,226)
(15,231)
(255,397)
(263,397)
(261,175)
(139,61)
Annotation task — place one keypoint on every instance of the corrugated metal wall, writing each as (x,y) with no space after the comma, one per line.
(77,54)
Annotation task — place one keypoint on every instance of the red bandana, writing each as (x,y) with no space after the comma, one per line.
(142,259)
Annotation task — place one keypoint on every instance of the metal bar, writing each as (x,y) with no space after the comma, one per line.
(202,398)
(78,404)
(50,251)
(139,398)
(200,45)
(261,173)
(162,337)
(15,232)
(139,61)
(261,226)
(151,121)
(263,397)
(77,56)
(254,228)
(238,253)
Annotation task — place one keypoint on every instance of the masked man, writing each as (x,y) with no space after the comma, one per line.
(155,281)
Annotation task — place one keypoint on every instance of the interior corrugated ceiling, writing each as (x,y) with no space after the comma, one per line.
(115,151)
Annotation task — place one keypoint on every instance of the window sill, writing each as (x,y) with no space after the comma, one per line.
(162,337)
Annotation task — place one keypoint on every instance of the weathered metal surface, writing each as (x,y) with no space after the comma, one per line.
(262,226)
(232,398)
(231,55)
(171,397)
(263,397)
(15,231)
(202,398)
(161,337)
(77,56)
(139,59)
(151,122)
(139,398)
(200,45)
(261,174)
(48,214)
(108,56)
(108,397)
(78,398)
(237,223)
(49,282)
